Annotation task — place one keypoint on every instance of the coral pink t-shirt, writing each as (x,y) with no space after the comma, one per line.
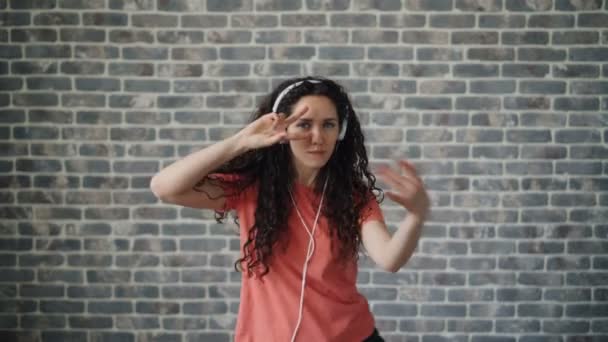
(334,310)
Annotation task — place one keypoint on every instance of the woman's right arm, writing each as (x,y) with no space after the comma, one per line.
(176,183)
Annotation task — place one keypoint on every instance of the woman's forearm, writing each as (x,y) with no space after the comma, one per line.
(186,172)
(404,241)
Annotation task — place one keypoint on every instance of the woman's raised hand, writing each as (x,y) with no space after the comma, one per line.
(270,129)
(407,188)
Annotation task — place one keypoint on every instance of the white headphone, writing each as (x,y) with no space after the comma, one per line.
(309,252)
(282,94)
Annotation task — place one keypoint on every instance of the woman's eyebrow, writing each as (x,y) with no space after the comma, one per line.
(310,120)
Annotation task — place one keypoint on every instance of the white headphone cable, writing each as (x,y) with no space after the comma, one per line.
(309,253)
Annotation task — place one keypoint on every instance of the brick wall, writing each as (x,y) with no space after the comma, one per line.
(501,104)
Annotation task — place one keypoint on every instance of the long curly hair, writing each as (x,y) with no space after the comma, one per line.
(345,195)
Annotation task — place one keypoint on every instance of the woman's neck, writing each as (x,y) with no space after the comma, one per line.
(307,177)
(304,175)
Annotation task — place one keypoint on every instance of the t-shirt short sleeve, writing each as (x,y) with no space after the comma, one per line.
(371,211)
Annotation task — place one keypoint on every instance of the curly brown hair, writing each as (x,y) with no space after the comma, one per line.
(346,195)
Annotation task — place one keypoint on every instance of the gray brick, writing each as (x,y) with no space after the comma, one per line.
(551,20)
(420,5)
(586,310)
(30,290)
(82,67)
(43,321)
(519,325)
(146,53)
(182,37)
(477,103)
(481,37)
(341,53)
(353,20)
(520,5)
(333,5)
(539,279)
(81,4)
(492,87)
(588,54)
(424,37)
(105,19)
(164,308)
(528,37)
(293,53)
(130,36)
(186,323)
(181,6)
(542,87)
(131,4)
(577,136)
(491,54)
(33,67)
(478,5)
(401,310)
(208,21)
(127,291)
(575,70)
(442,87)
(48,51)
(33,35)
(374,37)
(566,5)
(478,168)
(574,103)
(58,306)
(97,84)
(241,53)
(208,336)
(401,20)
(278,5)
(149,86)
(48,18)
(13,51)
(475,70)
(470,326)
(205,308)
(96,51)
(439,54)
(520,102)
(543,152)
(493,185)
(443,310)
(284,37)
(502,21)
(575,37)
(154,20)
(299,20)
(434,103)
(131,69)
(366,5)
(540,54)
(588,87)
(525,70)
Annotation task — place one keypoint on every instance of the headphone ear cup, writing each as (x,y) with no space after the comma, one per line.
(343,129)
(344,125)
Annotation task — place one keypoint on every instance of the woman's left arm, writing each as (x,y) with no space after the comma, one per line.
(407,189)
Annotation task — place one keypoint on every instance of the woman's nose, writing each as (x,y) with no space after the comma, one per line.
(317,136)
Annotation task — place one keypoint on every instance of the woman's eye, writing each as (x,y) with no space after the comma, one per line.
(304,125)
(330,125)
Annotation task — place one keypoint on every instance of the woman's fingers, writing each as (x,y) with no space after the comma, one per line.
(297,136)
(409,169)
(295,116)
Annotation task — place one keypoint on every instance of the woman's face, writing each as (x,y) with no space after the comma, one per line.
(321,124)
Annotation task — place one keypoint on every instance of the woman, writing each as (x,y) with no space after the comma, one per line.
(298,178)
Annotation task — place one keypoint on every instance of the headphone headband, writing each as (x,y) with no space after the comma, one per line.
(282,94)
